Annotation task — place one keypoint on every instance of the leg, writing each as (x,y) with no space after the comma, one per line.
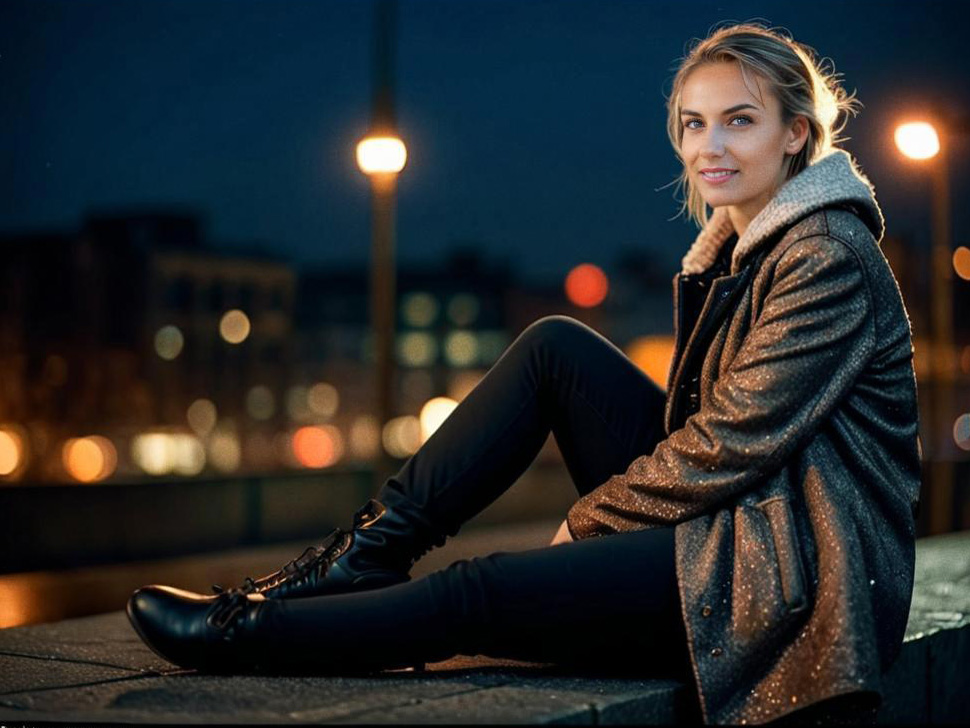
(606,600)
(559,375)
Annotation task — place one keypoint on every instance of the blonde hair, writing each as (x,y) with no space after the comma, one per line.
(804,87)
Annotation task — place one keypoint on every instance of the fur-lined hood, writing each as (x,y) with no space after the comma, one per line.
(833,178)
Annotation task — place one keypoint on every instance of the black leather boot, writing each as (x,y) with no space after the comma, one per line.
(208,633)
(378,551)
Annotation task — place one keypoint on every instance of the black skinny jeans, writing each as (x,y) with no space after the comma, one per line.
(610,601)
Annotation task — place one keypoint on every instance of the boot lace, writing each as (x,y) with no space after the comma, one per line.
(294,569)
(230,605)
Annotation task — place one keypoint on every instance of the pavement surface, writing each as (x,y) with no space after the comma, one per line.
(96,669)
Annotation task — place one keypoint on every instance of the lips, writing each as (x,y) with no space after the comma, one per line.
(716,176)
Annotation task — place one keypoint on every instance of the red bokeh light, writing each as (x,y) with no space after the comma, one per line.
(586,285)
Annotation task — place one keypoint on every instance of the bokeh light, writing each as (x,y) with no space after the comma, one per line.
(202,416)
(381,154)
(162,453)
(961,431)
(224,451)
(11,452)
(961,262)
(317,446)
(461,348)
(586,285)
(189,455)
(323,399)
(365,437)
(419,309)
(89,459)
(234,326)
(401,436)
(652,354)
(416,349)
(434,412)
(169,342)
(917,140)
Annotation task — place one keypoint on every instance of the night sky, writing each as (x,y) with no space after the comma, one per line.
(535,129)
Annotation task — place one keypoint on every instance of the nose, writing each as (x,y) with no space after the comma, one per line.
(712,144)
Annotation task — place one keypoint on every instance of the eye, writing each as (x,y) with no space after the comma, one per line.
(746,119)
(687,124)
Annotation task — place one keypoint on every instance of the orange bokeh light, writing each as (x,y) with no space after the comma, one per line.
(961,262)
(89,459)
(652,354)
(314,447)
(586,285)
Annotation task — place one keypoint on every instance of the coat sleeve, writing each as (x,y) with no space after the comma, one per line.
(813,336)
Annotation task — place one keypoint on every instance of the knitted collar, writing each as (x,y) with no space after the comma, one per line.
(833,178)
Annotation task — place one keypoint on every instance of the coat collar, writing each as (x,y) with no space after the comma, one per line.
(833,178)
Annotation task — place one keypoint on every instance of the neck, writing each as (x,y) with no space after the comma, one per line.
(739,220)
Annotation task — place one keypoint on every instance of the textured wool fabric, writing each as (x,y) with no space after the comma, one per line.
(793,481)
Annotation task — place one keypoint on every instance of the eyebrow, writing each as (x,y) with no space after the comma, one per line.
(725,112)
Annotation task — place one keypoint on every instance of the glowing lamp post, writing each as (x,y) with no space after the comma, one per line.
(920,141)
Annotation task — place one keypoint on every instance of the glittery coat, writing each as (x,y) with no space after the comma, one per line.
(793,472)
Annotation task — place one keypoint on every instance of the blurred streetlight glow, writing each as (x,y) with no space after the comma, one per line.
(323,399)
(401,436)
(11,452)
(961,262)
(381,155)
(365,437)
(586,285)
(917,140)
(317,446)
(202,416)
(652,354)
(169,342)
(89,459)
(961,431)
(234,326)
(434,412)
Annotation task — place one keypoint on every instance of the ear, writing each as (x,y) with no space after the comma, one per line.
(797,135)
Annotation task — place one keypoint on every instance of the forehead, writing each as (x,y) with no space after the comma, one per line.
(713,87)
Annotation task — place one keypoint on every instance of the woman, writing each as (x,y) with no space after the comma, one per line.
(756,521)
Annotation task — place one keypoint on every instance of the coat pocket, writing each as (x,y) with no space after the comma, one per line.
(782,522)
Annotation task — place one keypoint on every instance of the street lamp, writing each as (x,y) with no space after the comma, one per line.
(923,141)
(381,155)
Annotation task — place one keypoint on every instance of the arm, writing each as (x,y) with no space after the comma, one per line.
(814,335)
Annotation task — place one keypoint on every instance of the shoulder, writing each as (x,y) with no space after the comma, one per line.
(829,236)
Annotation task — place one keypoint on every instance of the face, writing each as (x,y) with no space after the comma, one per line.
(735,145)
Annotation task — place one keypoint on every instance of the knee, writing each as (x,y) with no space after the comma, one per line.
(553,329)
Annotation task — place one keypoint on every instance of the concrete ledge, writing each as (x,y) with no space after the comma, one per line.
(95,669)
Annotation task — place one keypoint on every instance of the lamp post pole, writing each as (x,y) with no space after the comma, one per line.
(922,140)
(382,155)
(382,297)
(941,509)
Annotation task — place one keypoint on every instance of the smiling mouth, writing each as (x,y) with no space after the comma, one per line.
(718,175)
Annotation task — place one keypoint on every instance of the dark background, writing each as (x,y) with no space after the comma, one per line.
(535,129)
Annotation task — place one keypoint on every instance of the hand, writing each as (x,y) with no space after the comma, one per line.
(562,535)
